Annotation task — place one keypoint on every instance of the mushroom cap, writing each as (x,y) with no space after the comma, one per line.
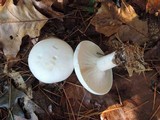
(51,60)
(85,64)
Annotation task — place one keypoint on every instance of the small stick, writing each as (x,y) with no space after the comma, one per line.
(120,100)
(154,97)
(137,107)
(69,104)
(155,113)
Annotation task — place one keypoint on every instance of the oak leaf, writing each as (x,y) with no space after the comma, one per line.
(123,21)
(16,21)
(46,7)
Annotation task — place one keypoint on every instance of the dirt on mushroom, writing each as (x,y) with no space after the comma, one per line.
(132,58)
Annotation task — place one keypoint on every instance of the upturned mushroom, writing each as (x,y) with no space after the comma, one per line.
(51,60)
(93,69)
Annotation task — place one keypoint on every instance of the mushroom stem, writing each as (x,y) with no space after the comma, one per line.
(106,62)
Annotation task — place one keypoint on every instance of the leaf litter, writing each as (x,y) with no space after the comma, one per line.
(46,7)
(68,99)
(123,21)
(19,100)
(18,21)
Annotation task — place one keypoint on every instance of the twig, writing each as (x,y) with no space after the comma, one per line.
(118,38)
(49,97)
(10,94)
(51,92)
(81,104)
(74,84)
(120,100)
(144,75)
(122,77)
(153,75)
(88,23)
(82,117)
(89,115)
(82,17)
(137,107)
(69,104)
(154,113)
(154,97)
(113,109)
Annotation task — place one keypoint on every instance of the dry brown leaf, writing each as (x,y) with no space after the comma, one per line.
(140,4)
(2,2)
(33,117)
(16,22)
(104,21)
(119,112)
(153,6)
(45,6)
(158,115)
(153,53)
(124,21)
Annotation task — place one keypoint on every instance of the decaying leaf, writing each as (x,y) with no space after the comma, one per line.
(140,4)
(132,57)
(33,117)
(9,100)
(28,105)
(120,112)
(153,53)
(46,7)
(16,117)
(104,20)
(123,21)
(76,94)
(18,80)
(30,108)
(10,97)
(2,2)
(158,115)
(153,6)
(16,22)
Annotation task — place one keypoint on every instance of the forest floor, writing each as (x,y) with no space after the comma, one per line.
(131,98)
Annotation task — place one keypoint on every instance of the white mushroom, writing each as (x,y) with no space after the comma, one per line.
(51,60)
(93,70)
